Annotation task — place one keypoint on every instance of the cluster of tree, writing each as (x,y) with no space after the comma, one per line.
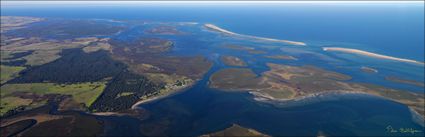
(19,62)
(13,111)
(134,85)
(74,66)
(20,54)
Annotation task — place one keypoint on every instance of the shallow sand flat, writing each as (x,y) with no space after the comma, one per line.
(284,57)
(236,130)
(370,54)
(405,81)
(216,28)
(368,69)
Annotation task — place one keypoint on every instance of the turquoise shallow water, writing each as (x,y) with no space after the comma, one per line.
(393,29)
(390,29)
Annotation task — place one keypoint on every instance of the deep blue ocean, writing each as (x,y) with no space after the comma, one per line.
(390,29)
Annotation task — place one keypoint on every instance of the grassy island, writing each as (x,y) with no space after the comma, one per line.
(233,61)
(283,82)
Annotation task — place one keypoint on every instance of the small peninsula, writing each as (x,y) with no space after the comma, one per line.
(236,130)
(405,81)
(286,83)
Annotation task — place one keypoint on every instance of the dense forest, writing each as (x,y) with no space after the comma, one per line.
(74,66)
(123,91)
(19,55)
(19,62)
(14,59)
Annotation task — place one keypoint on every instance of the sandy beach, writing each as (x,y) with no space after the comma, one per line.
(174,92)
(221,30)
(370,54)
(134,106)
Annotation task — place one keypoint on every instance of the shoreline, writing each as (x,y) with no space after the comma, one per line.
(417,118)
(267,98)
(327,96)
(155,98)
(134,106)
(227,32)
(370,54)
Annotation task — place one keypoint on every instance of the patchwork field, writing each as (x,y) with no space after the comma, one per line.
(9,72)
(14,22)
(15,95)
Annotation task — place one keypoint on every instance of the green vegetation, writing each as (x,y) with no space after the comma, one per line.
(292,82)
(143,45)
(101,45)
(13,55)
(235,79)
(4,55)
(164,30)
(171,83)
(36,51)
(9,103)
(85,93)
(144,55)
(14,22)
(123,91)
(42,57)
(9,72)
(74,66)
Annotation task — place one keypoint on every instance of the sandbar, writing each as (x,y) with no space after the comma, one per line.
(370,54)
(236,130)
(227,32)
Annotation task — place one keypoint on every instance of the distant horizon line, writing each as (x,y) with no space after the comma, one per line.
(214,2)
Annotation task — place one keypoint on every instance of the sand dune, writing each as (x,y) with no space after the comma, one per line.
(370,54)
(218,29)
